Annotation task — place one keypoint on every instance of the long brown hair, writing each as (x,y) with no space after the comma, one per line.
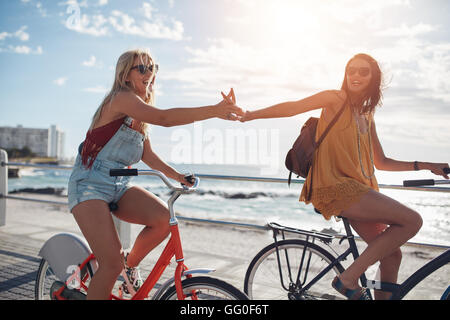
(373,95)
(123,67)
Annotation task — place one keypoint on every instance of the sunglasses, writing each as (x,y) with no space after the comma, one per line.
(142,68)
(363,71)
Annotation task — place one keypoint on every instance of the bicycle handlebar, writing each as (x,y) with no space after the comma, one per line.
(136,172)
(426,182)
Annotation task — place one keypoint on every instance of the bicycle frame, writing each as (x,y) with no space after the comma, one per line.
(173,248)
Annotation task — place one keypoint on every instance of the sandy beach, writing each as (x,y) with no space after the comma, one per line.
(227,249)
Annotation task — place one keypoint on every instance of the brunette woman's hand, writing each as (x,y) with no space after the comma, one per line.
(227,108)
(438,169)
(247,117)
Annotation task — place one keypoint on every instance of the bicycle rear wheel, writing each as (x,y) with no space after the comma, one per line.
(266,279)
(205,288)
(47,283)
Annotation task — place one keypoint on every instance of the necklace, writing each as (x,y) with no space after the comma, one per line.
(359,151)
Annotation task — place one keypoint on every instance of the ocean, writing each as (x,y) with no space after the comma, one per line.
(259,202)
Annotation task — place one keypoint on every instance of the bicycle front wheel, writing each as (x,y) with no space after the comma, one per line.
(280,272)
(205,288)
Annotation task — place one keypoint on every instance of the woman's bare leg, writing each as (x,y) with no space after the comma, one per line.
(389,265)
(375,207)
(139,206)
(96,224)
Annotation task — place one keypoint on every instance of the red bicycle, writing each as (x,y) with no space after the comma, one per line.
(67,265)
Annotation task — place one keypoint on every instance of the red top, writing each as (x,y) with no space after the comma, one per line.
(96,139)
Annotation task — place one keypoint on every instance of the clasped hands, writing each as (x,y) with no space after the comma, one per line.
(229,110)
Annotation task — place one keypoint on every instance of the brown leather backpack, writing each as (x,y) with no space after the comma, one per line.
(300,157)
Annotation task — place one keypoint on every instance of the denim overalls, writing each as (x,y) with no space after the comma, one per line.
(123,149)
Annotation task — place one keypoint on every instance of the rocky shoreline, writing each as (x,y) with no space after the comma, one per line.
(48,190)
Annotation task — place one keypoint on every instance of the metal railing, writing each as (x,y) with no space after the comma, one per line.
(123,228)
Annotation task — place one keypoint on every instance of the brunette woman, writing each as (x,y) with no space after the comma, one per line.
(344,183)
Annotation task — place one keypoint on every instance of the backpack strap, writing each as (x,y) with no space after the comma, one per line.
(332,123)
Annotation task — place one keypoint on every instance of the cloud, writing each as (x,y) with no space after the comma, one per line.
(91,62)
(157,28)
(297,60)
(153,25)
(420,67)
(60,81)
(23,50)
(19,34)
(429,130)
(22,36)
(148,10)
(262,76)
(407,31)
(93,25)
(42,11)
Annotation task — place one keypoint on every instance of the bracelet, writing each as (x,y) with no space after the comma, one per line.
(416,165)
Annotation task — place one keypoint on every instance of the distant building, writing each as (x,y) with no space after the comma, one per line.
(43,142)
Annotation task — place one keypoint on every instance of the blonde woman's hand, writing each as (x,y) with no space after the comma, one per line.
(227,108)
(187,180)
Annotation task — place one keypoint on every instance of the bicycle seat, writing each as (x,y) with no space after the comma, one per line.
(113,206)
(317,211)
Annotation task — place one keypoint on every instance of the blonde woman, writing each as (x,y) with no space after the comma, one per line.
(118,138)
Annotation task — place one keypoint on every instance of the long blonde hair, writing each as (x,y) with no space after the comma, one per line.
(123,67)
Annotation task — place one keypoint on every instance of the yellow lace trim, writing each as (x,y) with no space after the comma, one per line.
(333,200)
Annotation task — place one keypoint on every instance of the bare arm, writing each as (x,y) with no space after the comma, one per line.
(328,98)
(387,164)
(131,105)
(155,162)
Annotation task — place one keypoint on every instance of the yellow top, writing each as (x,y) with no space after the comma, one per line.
(338,181)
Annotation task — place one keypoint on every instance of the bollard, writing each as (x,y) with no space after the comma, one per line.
(3,185)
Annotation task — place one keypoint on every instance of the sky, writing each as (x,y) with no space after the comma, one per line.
(58,58)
